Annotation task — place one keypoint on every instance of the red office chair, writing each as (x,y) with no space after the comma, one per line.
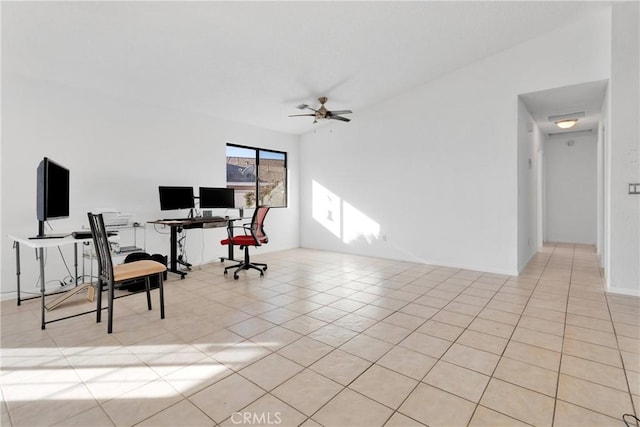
(254,235)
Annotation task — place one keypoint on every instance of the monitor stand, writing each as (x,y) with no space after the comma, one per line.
(41,234)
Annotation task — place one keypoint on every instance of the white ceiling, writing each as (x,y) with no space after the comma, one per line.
(253,62)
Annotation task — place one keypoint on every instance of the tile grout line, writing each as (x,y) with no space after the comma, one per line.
(624,369)
(594,361)
(564,332)
(309,417)
(505,348)
(393,411)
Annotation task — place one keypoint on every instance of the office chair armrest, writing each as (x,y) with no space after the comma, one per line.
(247,231)
(230,230)
(253,234)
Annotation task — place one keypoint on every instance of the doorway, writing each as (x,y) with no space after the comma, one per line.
(565,166)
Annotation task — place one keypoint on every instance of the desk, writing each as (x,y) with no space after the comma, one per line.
(40,245)
(188,224)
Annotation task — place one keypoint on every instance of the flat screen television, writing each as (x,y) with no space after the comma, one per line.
(172,198)
(211,197)
(52,195)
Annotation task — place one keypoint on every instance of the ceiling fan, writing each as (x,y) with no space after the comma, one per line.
(322,112)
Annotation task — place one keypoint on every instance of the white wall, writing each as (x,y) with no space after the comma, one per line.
(530,141)
(623,269)
(118,152)
(436,169)
(571,189)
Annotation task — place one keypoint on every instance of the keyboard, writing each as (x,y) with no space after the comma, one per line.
(208,219)
(51,236)
(198,219)
(81,234)
(86,234)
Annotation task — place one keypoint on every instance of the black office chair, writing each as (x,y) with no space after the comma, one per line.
(111,275)
(254,235)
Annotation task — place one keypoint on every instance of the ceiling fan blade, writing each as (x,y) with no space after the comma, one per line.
(344,119)
(306,107)
(337,112)
(300,115)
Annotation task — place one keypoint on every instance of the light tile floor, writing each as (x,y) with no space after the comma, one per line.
(337,340)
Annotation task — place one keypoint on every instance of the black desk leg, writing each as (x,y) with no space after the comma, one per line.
(229,254)
(231,245)
(75,263)
(16,245)
(173,263)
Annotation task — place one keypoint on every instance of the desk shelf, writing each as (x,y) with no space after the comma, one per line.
(117,256)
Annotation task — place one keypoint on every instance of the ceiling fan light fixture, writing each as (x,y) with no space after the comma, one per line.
(566,124)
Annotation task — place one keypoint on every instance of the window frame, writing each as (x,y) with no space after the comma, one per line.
(257,181)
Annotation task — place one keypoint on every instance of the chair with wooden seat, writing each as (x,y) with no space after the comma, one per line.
(253,235)
(111,276)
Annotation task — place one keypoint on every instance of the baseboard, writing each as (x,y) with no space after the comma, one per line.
(624,291)
(481,269)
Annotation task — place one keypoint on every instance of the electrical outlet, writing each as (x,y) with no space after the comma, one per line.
(634,188)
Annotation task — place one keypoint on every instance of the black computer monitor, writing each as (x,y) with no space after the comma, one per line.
(52,193)
(172,198)
(211,197)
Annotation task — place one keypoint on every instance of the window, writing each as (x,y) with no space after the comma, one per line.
(258,176)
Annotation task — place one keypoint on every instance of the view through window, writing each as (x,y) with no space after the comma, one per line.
(259,176)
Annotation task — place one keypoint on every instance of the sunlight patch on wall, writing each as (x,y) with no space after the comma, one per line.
(326,208)
(341,218)
(358,226)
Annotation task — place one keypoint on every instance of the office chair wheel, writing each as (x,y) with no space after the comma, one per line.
(235,277)
(265,268)
(225,272)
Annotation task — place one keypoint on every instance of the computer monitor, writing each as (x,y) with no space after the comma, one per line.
(172,198)
(211,197)
(52,193)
